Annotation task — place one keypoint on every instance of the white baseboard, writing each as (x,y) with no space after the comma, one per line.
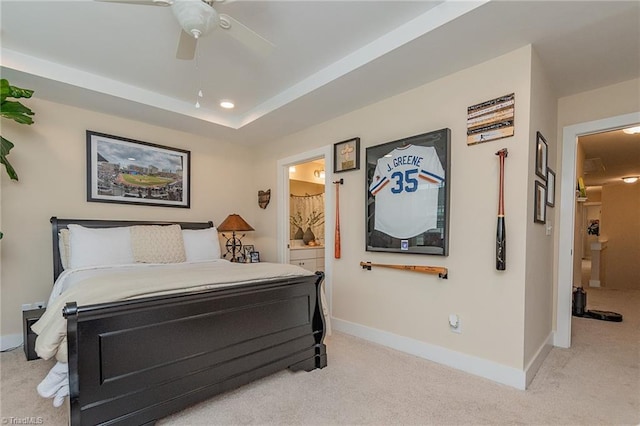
(10,341)
(538,358)
(468,363)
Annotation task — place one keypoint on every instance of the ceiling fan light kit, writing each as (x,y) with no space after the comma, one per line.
(196,17)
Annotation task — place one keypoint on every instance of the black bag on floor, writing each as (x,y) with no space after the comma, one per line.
(604,315)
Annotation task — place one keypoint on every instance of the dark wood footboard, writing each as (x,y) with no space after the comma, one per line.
(133,362)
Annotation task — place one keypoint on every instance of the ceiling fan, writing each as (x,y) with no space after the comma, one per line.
(198,18)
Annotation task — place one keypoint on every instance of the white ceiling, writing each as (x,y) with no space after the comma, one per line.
(331,57)
(609,156)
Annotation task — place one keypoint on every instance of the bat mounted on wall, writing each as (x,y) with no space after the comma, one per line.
(337,244)
(501,233)
(441,271)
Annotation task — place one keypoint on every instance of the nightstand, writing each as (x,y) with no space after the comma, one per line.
(28,319)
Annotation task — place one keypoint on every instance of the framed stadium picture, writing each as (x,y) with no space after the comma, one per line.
(407,195)
(127,171)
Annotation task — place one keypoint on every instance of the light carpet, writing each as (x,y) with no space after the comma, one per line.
(595,382)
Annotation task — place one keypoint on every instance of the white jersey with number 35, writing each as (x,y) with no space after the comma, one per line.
(405,184)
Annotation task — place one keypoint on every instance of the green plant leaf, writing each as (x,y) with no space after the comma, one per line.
(16,111)
(8,91)
(5,147)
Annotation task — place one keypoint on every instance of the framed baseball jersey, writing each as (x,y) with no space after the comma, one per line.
(408,195)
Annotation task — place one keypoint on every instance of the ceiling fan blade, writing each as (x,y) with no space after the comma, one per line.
(246,36)
(141,2)
(186,46)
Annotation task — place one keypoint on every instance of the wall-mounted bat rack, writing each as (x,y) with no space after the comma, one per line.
(441,271)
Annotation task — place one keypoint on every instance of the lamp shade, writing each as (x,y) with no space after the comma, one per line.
(234,222)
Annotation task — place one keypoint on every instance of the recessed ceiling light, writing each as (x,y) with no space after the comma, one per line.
(632,130)
(630,179)
(227,104)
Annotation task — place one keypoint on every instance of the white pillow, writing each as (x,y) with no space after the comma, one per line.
(99,246)
(201,244)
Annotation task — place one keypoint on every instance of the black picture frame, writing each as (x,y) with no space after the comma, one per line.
(540,203)
(551,187)
(128,171)
(420,225)
(343,153)
(255,257)
(542,155)
(247,249)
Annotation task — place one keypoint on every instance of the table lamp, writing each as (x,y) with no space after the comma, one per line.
(234,223)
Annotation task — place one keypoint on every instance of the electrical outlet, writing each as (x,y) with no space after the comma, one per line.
(454,323)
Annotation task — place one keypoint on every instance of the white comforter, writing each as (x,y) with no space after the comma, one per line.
(103,284)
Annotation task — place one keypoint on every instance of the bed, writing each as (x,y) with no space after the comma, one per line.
(135,361)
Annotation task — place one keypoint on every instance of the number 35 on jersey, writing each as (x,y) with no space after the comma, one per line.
(405,184)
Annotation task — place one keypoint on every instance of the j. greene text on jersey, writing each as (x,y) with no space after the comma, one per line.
(410,205)
(404,160)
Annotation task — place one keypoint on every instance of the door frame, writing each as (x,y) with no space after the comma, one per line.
(567,208)
(282,228)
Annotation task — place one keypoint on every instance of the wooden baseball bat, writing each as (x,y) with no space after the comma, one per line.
(501,234)
(337,234)
(441,271)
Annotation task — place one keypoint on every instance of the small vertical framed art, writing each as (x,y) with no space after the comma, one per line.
(551,187)
(541,156)
(346,155)
(540,203)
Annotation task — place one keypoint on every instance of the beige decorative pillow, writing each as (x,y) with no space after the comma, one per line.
(64,247)
(157,244)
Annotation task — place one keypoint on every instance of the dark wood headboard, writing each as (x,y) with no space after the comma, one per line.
(58,224)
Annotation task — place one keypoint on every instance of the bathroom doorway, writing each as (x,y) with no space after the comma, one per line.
(307,214)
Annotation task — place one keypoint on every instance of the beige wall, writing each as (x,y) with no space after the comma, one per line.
(620,227)
(50,159)
(539,240)
(609,101)
(578,233)
(305,172)
(490,303)
(301,188)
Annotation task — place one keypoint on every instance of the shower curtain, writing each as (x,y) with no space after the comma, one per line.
(307,211)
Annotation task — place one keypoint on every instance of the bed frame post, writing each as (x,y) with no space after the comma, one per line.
(319,325)
(70,312)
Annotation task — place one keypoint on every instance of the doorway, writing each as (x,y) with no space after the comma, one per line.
(307,214)
(284,213)
(567,218)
